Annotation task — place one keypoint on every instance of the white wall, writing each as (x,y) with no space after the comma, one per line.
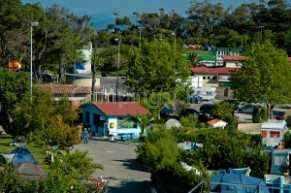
(86,56)
(233,64)
(196,81)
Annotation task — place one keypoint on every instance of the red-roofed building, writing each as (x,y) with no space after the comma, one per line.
(210,83)
(76,94)
(114,118)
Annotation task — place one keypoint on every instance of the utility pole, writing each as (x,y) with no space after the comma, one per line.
(174,97)
(32,24)
(118,66)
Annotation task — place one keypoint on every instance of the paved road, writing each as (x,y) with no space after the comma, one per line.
(119,162)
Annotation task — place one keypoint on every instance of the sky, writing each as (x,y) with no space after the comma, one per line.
(101,11)
(126,7)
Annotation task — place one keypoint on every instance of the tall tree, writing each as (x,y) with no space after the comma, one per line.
(97,64)
(156,66)
(265,77)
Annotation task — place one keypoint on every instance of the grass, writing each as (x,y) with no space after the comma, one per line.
(5,146)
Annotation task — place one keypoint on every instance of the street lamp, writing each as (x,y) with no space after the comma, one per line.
(33,24)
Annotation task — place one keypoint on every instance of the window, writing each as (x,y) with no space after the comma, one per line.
(275,134)
(264,134)
(208,93)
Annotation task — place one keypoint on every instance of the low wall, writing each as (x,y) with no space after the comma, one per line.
(250,128)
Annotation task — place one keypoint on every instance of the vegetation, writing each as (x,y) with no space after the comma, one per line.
(154,63)
(162,157)
(223,150)
(225,111)
(260,79)
(64,176)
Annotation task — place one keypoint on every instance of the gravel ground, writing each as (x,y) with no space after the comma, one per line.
(119,162)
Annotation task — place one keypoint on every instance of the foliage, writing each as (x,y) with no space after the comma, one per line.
(155,67)
(159,150)
(27,118)
(13,88)
(58,133)
(259,115)
(65,109)
(225,111)
(155,101)
(260,79)
(2,160)
(190,121)
(76,164)
(287,140)
(222,149)
(160,154)
(175,179)
(55,182)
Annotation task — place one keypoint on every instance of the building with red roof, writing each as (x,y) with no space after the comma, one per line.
(116,119)
(212,82)
(76,94)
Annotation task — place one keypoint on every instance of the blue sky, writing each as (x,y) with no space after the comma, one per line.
(125,7)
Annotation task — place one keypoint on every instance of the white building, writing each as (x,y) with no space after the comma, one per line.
(208,82)
(235,61)
(273,131)
(84,66)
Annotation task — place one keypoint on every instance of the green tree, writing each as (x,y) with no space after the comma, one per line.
(155,67)
(64,108)
(261,78)
(97,64)
(13,88)
(30,115)
(225,111)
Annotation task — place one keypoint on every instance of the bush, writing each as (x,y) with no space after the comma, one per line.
(225,111)
(223,150)
(69,173)
(176,180)
(259,115)
(287,140)
(57,133)
(2,160)
(189,121)
(159,150)
(76,164)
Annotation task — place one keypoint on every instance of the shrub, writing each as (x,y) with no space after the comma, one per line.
(260,114)
(225,111)
(223,150)
(57,133)
(175,179)
(159,150)
(2,160)
(76,164)
(189,121)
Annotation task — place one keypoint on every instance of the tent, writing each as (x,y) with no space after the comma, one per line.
(21,156)
(173,123)
(30,171)
(237,183)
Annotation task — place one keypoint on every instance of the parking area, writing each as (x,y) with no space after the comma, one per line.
(120,166)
